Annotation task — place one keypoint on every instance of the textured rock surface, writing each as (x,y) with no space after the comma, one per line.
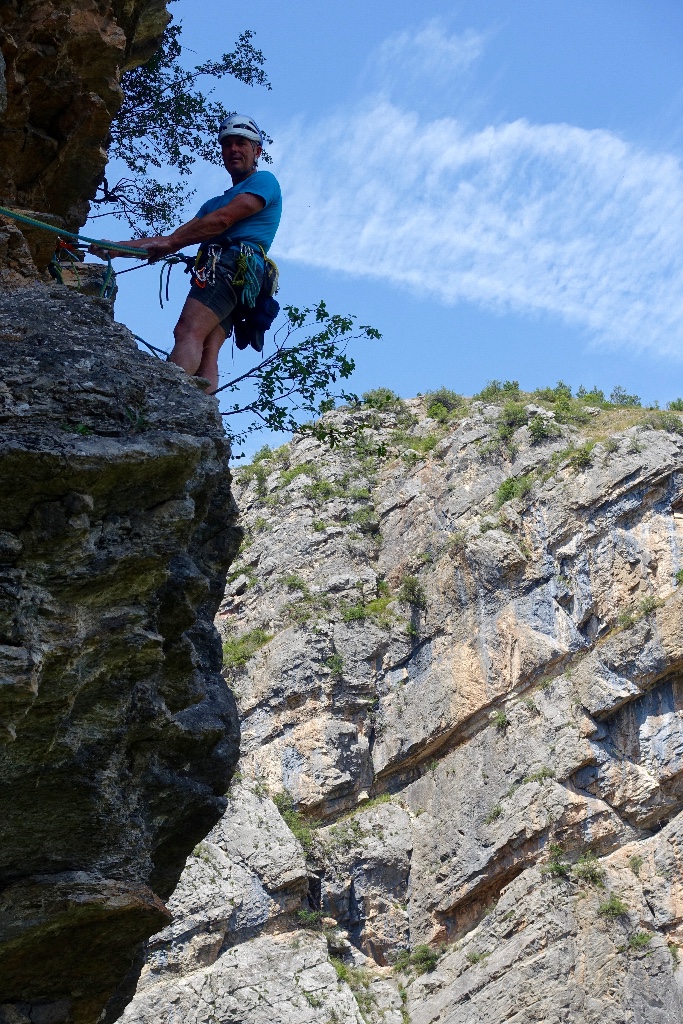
(464,698)
(59,89)
(118,733)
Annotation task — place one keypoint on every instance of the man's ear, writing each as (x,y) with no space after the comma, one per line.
(257,150)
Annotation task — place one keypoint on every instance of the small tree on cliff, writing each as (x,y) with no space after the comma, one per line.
(297,382)
(166,121)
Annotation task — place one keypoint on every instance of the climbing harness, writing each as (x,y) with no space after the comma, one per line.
(256,309)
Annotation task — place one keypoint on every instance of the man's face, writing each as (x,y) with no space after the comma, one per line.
(239,153)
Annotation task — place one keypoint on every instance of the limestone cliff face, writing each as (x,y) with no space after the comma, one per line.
(458,666)
(59,89)
(118,735)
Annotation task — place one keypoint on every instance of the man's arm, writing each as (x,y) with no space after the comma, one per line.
(199,229)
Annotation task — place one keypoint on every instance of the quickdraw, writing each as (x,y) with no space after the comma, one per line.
(67,254)
(206,273)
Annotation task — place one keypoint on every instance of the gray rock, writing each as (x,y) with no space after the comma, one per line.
(502,680)
(119,735)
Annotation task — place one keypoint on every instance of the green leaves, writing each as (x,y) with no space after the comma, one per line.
(289,386)
(166,121)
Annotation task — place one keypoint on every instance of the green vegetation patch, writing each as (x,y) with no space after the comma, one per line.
(444,405)
(294,582)
(514,487)
(499,719)
(639,940)
(613,907)
(473,956)
(297,823)
(238,651)
(668,421)
(498,391)
(542,429)
(256,471)
(412,592)
(382,399)
(493,814)
(422,959)
(556,866)
(309,918)
(353,612)
(321,490)
(335,663)
(635,863)
(588,869)
(582,457)
(540,776)
(305,469)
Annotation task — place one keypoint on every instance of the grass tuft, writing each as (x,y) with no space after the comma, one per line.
(635,863)
(639,940)
(237,652)
(513,487)
(300,827)
(613,907)
(588,869)
(556,866)
(499,719)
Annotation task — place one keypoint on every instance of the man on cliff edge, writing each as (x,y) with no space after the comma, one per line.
(235,230)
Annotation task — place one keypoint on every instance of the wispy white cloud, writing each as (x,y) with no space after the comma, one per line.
(546,218)
(427,52)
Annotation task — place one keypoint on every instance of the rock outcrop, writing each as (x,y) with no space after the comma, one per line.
(60,69)
(118,735)
(456,645)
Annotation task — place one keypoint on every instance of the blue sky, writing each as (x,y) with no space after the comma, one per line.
(496,186)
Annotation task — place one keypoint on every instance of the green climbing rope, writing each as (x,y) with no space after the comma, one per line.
(70,234)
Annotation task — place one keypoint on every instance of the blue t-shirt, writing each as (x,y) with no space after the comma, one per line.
(259,228)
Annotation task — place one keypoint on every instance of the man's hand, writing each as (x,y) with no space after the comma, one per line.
(160,245)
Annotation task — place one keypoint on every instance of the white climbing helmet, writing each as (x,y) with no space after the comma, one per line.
(240,124)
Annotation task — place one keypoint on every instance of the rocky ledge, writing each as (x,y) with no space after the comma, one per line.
(118,735)
(456,645)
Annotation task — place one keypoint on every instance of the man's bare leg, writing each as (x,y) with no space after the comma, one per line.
(197,322)
(208,367)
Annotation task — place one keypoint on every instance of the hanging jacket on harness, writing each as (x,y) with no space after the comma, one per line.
(252,320)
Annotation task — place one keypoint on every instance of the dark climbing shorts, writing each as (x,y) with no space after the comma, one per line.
(220,297)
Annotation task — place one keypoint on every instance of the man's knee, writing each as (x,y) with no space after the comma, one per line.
(183,331)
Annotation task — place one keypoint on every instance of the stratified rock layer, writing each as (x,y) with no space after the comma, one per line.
(469,708)
(118,733)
